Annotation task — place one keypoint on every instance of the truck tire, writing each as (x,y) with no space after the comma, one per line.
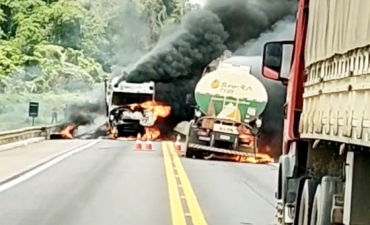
(282,191)
(307,197)
(191,152)
(315,206)
(323,200)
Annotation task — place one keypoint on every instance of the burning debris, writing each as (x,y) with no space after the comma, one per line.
(259,158)
(139,117)
(253,158)
(77,116)
(66,132)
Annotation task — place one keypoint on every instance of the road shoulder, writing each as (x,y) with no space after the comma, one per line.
(18,160)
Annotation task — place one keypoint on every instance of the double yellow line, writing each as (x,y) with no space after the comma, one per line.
(174,169)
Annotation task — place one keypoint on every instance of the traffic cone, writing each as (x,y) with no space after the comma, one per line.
(178,144)
(138,143)
(149,145)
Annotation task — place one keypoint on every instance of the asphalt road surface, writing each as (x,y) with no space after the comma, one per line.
(110,183)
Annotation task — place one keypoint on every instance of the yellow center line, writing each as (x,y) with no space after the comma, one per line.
(192,202)
(177,212)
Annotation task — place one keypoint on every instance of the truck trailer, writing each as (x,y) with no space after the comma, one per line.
(323,172)
(231,103)
(123,118)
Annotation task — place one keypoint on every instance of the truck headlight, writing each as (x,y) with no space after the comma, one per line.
(198,113)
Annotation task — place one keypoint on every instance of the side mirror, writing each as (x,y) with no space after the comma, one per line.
(277,58)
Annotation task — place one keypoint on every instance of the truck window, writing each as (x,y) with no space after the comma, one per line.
(120,98)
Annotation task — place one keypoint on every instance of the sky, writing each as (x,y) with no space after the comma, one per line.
(200,2)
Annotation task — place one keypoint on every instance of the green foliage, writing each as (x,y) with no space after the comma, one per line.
(46,45)
(54,46)
(14,108)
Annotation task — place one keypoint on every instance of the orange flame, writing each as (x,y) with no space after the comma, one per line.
(246,136)
(151,133)
(112,131)
(67,132)
(159,110)
(258,158)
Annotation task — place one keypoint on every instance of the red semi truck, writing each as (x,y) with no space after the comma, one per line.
(324,171)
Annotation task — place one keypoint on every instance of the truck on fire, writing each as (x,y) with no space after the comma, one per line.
(323,175)
(123,99)
(230,102)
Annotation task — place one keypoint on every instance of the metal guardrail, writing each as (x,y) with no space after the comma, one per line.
(26,133)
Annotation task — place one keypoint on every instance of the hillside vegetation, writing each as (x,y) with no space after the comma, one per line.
(51,48)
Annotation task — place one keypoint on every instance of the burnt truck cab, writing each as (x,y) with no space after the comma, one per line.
(123,118)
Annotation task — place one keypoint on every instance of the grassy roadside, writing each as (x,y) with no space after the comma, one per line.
(14,108)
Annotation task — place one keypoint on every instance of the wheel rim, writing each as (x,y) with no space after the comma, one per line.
(302,213)
(314,216)
(315,208)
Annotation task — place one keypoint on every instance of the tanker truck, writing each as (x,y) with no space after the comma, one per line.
(323,175)
(233,117)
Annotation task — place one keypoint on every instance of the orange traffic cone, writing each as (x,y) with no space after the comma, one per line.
(138,145)
(149,145)
(178,144)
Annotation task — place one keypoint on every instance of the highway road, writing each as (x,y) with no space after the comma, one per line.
(108,182)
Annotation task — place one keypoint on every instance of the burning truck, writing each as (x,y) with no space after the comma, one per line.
(131,109)
(233,116)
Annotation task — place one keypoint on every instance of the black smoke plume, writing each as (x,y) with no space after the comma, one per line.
(176,63)
(84,114)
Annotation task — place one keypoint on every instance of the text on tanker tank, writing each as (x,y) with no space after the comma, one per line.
(227,88)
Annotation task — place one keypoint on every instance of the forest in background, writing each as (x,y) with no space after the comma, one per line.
(56,51)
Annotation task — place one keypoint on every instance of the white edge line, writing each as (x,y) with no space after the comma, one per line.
(45,166)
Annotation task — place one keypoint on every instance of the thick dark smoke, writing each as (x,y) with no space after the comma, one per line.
(176,63)
(199,41)
(84,114)
(247,19)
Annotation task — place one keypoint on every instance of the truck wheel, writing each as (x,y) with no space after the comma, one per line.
(307,196)
(315,206)
(192,138)
(193,153)
(322,203)
(189,153)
